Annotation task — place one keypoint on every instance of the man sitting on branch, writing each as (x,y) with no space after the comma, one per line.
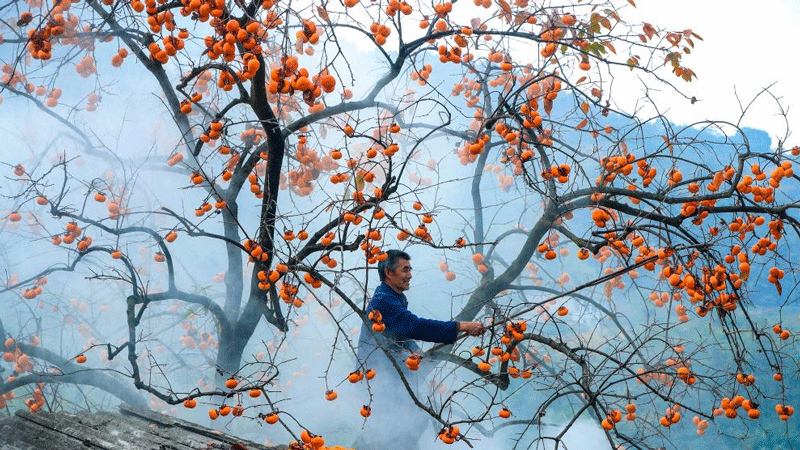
(389,306)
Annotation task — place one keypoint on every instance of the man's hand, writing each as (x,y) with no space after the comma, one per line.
(472,328)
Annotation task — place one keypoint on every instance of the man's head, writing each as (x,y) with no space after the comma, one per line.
(395,270)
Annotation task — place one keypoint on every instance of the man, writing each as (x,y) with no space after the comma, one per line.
(402,326)
(396,422)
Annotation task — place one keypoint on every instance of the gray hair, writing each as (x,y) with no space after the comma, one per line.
(390,263)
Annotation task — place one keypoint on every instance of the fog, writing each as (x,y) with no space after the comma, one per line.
(165,322)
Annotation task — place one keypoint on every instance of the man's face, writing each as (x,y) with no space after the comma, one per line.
(399,279)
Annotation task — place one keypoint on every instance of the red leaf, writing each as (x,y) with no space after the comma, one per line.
(504,6)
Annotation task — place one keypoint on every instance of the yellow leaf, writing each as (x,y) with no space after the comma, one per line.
(359,180)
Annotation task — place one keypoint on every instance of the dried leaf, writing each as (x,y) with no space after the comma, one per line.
(323,14)
(649,30)
(632,3)
(582,124)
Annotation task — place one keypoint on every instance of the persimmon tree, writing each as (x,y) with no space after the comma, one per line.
(280,148)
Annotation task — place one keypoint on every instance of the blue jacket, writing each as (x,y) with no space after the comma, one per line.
(402,328)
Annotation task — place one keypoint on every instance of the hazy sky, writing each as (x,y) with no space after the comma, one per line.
(731,60)
(746,46)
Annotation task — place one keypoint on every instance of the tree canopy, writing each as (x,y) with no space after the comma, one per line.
(195,216)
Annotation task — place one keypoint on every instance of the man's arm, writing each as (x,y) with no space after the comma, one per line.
(406,325)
